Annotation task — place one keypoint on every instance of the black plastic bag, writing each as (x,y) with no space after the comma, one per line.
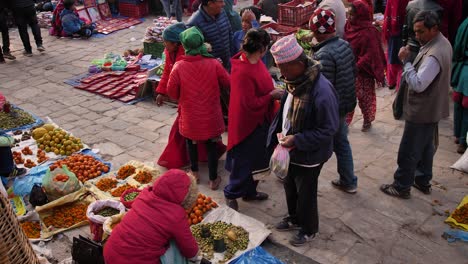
(38,196)
(85,251)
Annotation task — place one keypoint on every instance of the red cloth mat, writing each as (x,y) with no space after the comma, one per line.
(111,25)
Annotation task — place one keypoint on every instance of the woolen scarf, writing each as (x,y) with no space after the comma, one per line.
(300,89)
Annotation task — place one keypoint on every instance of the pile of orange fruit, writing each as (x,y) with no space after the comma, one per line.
(203,205)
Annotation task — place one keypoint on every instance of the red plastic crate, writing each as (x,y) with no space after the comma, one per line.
(281,29)
(132,10)
(290,14)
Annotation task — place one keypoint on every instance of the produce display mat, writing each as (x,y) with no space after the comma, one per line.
(257,230)
(114,24)
(81,196)
(37,121)
(454,222)
(139,166)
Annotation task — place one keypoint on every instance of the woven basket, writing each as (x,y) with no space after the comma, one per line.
(14,245)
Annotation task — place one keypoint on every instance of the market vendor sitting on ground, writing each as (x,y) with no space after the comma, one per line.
(72,24)
(157,224)
(7,165)
(196,81)
(213,22)
(306,122)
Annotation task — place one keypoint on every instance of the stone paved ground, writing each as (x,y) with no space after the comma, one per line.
(367,227)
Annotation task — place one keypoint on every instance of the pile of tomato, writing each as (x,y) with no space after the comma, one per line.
(203,205)
(85,167)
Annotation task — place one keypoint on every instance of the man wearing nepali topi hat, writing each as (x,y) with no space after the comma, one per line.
(306,123)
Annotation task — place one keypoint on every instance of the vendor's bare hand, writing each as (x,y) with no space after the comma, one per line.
(277,93)
(160,99)
(248,15)
(404,53)
(287,141)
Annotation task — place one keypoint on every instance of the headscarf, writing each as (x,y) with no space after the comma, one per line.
(193,41)
(172,32)
(366,43)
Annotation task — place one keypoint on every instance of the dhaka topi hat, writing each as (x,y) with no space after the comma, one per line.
(286,49)
(322,21)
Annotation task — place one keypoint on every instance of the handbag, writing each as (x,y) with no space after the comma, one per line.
(397,105)
(85,251)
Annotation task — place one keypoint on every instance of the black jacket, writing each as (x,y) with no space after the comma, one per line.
(339,67)
(21,3)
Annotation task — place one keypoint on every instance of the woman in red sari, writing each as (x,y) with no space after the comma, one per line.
(175,154)
(366,43)
(251,109)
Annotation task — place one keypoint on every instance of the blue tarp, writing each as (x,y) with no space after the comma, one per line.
(256,256)
(37,121)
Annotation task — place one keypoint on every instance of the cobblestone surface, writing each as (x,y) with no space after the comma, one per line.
(368,227)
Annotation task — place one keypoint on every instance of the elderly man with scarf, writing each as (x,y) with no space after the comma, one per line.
(306,123)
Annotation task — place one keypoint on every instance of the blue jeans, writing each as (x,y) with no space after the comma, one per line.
(344,155)
(174,9)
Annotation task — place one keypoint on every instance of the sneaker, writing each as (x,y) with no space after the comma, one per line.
(301,239)
(391,190)
(8,55)
(287,224)
(260,196)
(40,48)
(345,188)
(426,189)
(27,53)
(232,203)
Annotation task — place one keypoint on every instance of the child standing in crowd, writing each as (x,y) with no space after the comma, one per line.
(195,81)
(249,20)
(250,114)
(370,60)
(72,23)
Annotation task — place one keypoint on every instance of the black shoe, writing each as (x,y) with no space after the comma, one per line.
(392,191)
(392,87)
(28,53)
(2,60)
(345,188)
(461,149)
(301,239)
(287,224)
(424,189)
(8,55)
(260,196)
(232,203)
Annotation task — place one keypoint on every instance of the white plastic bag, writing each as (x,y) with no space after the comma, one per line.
(462,163)
(279,162)
(100,204)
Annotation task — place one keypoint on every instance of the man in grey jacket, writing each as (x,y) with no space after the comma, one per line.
(338,66)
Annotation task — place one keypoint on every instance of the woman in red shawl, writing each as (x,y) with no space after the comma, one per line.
(251,108)
(370,4)
(394,19)
(370,60)
(175,154)
(56,29)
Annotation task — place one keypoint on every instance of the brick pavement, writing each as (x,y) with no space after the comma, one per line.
(368,227)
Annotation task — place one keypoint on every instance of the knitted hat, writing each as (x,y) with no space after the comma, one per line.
(286,49)
(172,32)
(322,21)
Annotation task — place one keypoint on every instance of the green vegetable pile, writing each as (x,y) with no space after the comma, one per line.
(107,211)
(301,33)
(15,118)
(159,70)
(235,237)
(131,196)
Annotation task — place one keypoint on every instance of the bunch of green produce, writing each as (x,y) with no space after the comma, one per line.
(15,118)
(235,237)
(301,37)
(107,211)
(131,196)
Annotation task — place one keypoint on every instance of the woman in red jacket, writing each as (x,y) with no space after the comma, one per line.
(195,82)
(157,219)
(250,113)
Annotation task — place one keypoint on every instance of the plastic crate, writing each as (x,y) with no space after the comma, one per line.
(156,49)
(133,10)
(281,29)
(291,14)
(134,2)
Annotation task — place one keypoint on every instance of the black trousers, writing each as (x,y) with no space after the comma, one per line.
(415,155)
(4,30)
(301,196)
(212,157)
(27,16)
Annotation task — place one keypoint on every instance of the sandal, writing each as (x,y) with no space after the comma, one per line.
(17,172)
(366,127)
(392,191)
(214,184)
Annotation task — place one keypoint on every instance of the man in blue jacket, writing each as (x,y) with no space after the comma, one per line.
(213,22)
(338,66)
(306,123)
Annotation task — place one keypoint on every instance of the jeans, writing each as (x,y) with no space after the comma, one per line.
(173,9)
(212,157)
(4,30)
(6,161)
(416,154)
(300,186)
(344,155)
(27,16)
